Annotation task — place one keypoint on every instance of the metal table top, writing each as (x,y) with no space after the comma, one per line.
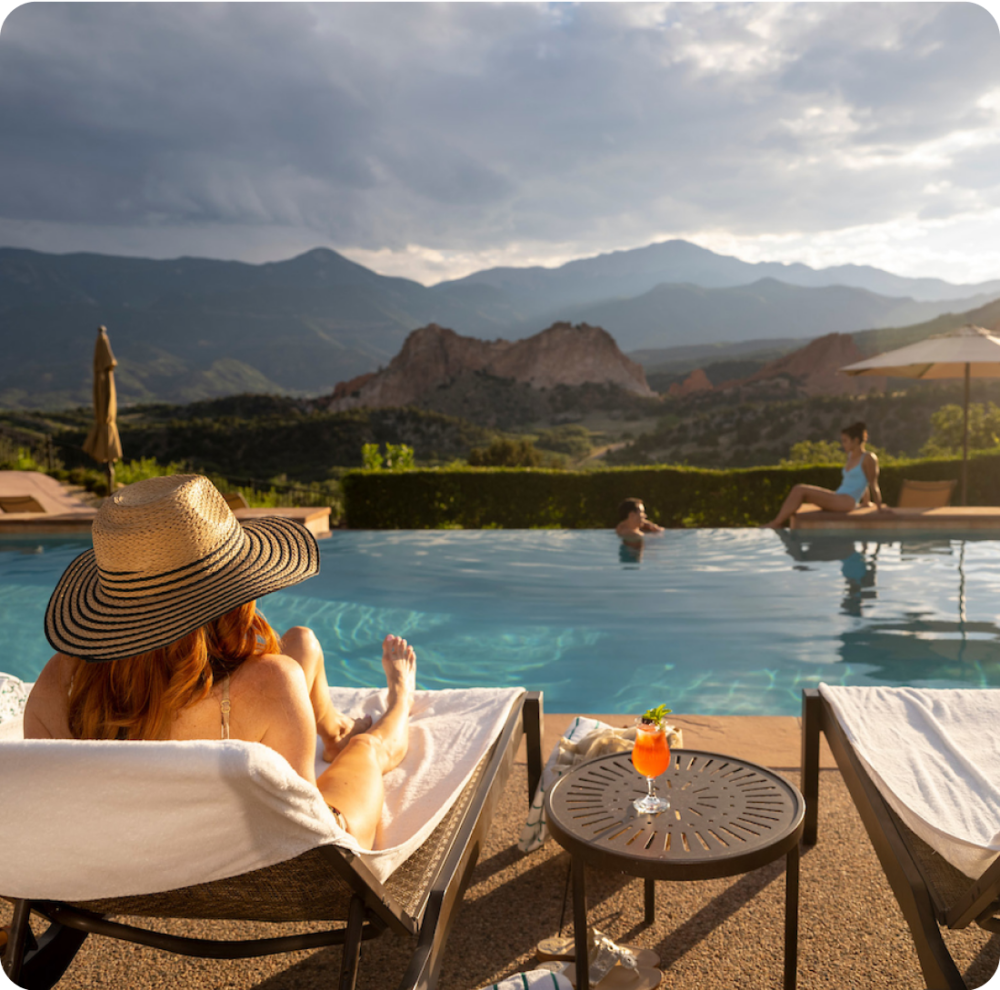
(727,816)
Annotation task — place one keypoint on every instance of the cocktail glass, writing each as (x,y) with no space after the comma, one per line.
(650,756)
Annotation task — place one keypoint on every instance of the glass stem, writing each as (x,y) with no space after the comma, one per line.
(649,784)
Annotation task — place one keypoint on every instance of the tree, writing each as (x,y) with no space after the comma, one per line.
(398,457)
(506,453)
(946,430)
(814,452)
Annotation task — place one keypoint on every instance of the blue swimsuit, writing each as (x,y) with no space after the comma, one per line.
(855,482)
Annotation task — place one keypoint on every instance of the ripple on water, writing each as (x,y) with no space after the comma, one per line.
(707,621)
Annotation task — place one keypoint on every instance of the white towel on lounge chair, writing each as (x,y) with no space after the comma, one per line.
(934,754)
(85,820)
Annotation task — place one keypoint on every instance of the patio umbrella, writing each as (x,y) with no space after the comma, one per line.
(968,352)
(103,442)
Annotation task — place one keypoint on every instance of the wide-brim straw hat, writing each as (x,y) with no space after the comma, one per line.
(168,557)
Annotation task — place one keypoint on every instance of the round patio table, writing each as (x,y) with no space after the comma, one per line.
(726,816)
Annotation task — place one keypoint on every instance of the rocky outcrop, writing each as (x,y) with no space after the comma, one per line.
(433,357)
(815,369)
(344,389)
(697,381)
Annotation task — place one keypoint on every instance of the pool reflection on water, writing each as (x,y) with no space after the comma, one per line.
(706,621)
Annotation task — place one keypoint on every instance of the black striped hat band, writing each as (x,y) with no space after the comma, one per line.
(168,557)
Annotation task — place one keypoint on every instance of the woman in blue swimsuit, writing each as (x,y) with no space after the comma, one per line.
(860,478)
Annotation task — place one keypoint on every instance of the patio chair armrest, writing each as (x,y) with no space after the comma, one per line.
(534,730)
(811,723)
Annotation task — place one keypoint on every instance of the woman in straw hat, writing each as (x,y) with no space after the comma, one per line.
(158,637)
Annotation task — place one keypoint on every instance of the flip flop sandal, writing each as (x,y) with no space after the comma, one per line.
(563,949)
(617,978)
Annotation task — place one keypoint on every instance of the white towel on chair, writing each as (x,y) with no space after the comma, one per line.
(84,820)
(935,757)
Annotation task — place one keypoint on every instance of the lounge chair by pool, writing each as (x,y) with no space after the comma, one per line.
(267,847)
(925,494)
(922,769)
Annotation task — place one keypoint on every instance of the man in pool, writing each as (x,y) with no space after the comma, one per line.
(633,524)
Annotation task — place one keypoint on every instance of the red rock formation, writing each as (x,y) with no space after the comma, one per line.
(815,368)
(697,381)
(434,356)
(344,389)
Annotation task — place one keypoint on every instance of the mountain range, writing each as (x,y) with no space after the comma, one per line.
(193,328)
(542,292)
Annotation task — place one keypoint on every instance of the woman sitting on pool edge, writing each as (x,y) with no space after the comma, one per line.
(158,637)
(860,475)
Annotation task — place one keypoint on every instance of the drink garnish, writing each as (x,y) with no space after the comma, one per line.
(654,716)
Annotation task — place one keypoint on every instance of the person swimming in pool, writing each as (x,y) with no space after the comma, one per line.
(633,523)
(859,485)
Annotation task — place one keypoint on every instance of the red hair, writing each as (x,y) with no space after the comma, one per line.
(139,697)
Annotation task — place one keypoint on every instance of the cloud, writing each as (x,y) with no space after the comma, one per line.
(435,134)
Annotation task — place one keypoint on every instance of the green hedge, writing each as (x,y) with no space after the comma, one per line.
(518,498)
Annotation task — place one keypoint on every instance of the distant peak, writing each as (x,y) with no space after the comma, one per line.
(319,254)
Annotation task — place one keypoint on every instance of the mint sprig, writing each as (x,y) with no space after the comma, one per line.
(656,715)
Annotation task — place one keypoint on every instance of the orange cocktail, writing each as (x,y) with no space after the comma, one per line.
(650,757)
(650,754)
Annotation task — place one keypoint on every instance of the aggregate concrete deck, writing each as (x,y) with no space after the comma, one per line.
(712,935)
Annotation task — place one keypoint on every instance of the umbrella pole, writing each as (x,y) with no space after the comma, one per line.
(965,441)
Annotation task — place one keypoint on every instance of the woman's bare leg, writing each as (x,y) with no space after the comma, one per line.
(353,782)
(823,497)
(300,643)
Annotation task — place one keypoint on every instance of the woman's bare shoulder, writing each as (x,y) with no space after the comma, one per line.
(266,687)
(271,673)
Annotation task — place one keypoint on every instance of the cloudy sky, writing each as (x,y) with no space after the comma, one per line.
(432,140)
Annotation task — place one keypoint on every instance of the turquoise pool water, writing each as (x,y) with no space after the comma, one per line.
(707,621)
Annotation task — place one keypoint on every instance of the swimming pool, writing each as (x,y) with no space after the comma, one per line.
(708,621)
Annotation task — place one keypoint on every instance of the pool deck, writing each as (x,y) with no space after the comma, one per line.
(951,518)
(724,934)
(68,514)
(771,740)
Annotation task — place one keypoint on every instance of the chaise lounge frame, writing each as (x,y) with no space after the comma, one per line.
(931,893)
(420,899)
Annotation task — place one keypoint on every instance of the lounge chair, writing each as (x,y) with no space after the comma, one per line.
(925,494)
(322,882)
(931,891)
(20,503)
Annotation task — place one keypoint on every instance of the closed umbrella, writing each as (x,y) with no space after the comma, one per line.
(968,352)
(103,442)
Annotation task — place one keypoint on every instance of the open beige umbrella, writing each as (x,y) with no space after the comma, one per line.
(103,442)
(968,352)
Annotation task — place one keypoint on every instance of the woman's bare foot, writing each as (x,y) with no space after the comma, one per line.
(400,665)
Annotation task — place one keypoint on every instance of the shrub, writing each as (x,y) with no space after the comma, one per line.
(128,472)
(674,496)
(14,458)
(505,453)
(397,457)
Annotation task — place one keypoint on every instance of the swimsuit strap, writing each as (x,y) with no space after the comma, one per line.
(226,707)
